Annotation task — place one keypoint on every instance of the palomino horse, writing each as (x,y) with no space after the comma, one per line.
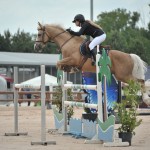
(125,66)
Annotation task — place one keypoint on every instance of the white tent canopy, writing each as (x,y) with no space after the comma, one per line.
(36,82)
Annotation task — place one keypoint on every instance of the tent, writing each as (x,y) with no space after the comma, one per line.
(37,81)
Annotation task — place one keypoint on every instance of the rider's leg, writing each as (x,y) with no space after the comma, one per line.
(96,41)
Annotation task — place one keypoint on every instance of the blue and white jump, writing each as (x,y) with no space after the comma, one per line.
(84,127)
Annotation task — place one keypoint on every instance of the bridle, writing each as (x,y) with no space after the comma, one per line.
(51,39)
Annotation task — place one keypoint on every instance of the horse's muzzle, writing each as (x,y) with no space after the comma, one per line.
(37,47)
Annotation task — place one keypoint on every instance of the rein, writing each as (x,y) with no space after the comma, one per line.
(57,35)
(64,42)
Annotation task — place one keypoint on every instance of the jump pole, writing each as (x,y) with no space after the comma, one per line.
(95,139)
(105,116)
(80,104)
(64,97)
(15,133)
(99,88)
(43,119)
(80,86)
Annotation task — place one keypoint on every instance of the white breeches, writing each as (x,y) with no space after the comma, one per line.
(97,40)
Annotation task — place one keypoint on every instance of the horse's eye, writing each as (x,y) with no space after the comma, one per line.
(39,35)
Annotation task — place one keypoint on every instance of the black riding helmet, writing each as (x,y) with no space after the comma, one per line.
(79,18)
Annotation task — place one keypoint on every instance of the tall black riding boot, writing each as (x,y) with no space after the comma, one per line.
(93,57)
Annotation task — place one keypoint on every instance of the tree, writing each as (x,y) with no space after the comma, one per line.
(5,41)
(22,42)
(116,40)
(123,34)
(134,19)
(114,20)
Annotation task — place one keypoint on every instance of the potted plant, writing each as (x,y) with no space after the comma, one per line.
(126,111)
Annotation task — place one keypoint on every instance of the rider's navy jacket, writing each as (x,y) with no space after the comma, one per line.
(88,29)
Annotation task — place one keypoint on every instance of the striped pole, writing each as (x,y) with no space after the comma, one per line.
(27,86)
(80,104)
(80,86)
(31,86)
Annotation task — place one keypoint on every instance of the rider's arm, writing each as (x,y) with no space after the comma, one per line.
(81,31)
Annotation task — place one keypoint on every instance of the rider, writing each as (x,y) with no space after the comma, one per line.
(88,28)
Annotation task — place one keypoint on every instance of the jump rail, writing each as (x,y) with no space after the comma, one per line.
(80,86)
(31,86)
(80,104)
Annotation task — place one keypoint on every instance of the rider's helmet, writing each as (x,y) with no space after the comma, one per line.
(79,18)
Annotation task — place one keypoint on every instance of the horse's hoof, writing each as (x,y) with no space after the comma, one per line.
(76,69)
(93,63)
(72,70)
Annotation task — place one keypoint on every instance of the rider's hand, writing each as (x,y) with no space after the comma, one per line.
(69,30)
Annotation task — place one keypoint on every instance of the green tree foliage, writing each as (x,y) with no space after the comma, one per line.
(114,20)
(123,33)
(5,41)
(134,19)
(22,42)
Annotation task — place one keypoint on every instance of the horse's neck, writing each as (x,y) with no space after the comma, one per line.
(61,39)
(65,40)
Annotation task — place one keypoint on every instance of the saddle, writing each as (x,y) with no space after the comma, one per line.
(85,51)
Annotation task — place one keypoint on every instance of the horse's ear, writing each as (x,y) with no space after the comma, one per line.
(40,25)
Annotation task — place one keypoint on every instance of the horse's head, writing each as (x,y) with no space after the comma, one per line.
(47,33)
(42,38)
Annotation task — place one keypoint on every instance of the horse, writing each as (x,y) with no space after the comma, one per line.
(124,66)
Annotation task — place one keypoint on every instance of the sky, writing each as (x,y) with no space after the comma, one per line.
(25,14)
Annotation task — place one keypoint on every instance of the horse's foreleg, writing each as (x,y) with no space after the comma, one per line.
(64,62)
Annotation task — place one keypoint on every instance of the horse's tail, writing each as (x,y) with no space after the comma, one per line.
(140,67)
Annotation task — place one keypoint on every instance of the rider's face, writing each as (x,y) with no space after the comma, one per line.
(77,23)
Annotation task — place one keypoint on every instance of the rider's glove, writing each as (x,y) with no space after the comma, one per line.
(69,30)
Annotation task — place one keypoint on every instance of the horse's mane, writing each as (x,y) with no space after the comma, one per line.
(56,26)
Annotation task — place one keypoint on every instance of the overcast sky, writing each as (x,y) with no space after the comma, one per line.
(25,14)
